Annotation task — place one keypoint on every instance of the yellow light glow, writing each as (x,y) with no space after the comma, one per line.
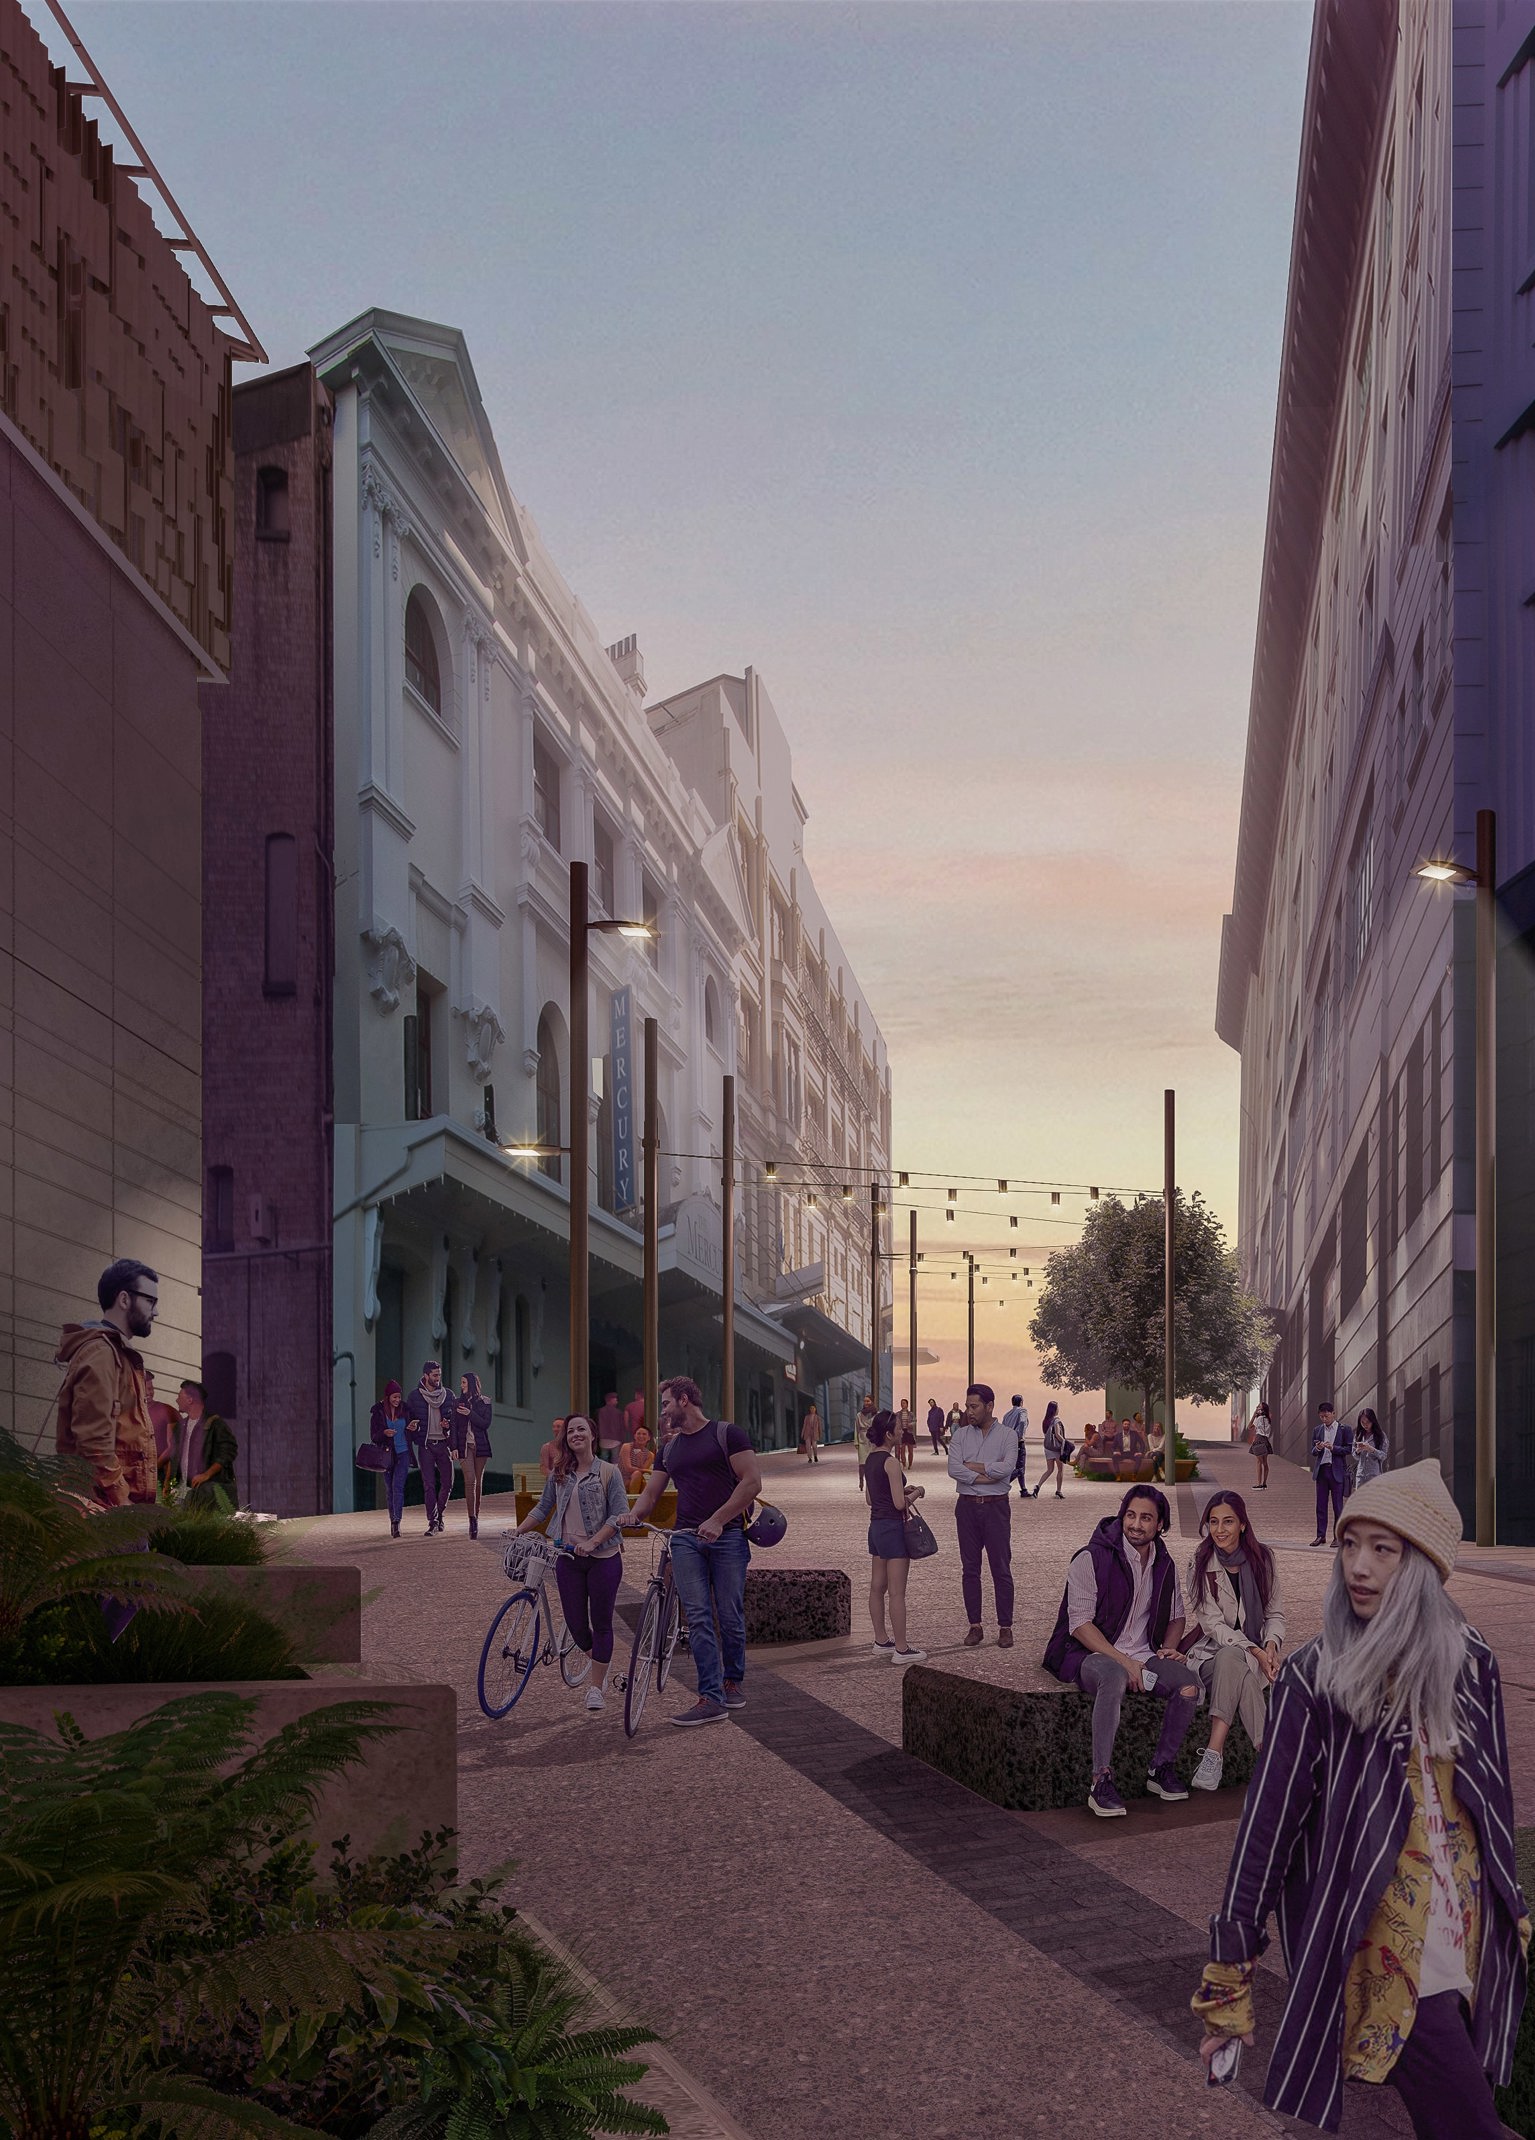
(1443,873)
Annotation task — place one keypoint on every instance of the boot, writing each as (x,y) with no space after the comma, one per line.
(394,1530)
(474,1527)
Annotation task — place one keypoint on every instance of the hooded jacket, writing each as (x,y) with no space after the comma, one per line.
(103,1412)
(469,1415)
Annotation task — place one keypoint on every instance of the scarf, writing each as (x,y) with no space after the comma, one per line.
(1239,1567)
(435,1400)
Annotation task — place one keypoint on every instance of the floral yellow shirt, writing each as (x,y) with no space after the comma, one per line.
(1380,1992)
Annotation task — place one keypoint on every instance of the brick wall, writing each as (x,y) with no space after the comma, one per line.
(266,1002)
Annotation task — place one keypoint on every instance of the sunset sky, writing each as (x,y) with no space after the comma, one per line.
(924,357)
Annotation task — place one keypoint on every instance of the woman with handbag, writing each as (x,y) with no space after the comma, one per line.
(389,1430)
(1057,1449)
(890,1501)
(1261,1433)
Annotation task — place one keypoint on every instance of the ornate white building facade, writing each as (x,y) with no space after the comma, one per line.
(485,738)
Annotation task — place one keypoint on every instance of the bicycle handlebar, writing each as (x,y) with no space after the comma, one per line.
(662,1530)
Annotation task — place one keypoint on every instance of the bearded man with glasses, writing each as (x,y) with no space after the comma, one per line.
(103,1403)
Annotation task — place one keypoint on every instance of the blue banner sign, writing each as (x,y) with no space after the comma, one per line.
(625,1194)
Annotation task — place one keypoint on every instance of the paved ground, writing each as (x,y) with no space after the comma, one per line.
(829,1935)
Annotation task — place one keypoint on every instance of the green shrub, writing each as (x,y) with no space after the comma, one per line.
(174,1969)
(216,1637)
(205,1538)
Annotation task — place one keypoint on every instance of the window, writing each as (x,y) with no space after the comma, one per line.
(546,792)
(603,872)
(548,1100)
(281,965)
(711,1012)
(219,1212)
(650,914)
(1361,894)
(272,521)
(418,1056)
(1354,1258)
(422,672)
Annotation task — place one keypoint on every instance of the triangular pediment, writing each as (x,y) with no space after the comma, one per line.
(722,866)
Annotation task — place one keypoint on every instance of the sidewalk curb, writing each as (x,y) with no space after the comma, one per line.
(719,2125)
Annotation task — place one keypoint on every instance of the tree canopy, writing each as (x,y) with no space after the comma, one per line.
(1100,1314)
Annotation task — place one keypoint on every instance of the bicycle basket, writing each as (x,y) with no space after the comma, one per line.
(527,1558)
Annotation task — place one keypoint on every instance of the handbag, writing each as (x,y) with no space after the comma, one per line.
(1068,1451)
(372,1456)
(920,1542)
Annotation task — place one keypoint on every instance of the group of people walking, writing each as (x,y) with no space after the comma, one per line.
(431,1431)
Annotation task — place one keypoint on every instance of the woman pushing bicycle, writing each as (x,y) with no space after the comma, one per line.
(584,1499)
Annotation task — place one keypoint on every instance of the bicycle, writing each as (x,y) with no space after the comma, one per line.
(657,1632)
(527,1629)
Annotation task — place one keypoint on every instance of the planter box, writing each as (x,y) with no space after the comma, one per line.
(319,1608)
(1031,1749)
(404,1784)
(798,1604)
(1186,1467)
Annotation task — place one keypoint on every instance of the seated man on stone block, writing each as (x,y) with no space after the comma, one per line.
(1119,1626)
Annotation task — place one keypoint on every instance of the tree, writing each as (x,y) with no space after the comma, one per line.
(1100,1315)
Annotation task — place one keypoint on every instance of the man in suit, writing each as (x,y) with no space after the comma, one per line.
(1332,1442)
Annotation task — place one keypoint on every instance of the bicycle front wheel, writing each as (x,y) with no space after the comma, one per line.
(670,1634)
(647,1641)
(575,1662)
(510,1653)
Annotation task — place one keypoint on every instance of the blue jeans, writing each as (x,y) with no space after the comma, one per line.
(396,1472)
(711,1582)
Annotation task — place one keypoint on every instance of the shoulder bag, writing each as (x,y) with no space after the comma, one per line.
(920,1542)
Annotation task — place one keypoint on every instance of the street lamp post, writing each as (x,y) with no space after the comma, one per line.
(1169,1295)
(728,1254)
(874,1384)
(1485,878)
(970,1344)
(911,1314)
(650,1309)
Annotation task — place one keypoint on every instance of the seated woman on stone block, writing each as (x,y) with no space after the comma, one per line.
(636,1458)
(1233,1591)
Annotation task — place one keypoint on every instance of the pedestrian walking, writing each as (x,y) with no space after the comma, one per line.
(1260,1432)
(203,1467)
(1379,1828)
(937,1432)
(1369,1453)
(469,1436)
(610,1428)
(1331,1446)
(1016,1419)
(861,1419)
(102,1409)
(717,1478)
(389,1429)
(952,1421)
(585,1507)
(983,1455)
(906,1435)
(1056,1448)
(810,1436)
(1233,1594)
(429,1407)
(549,1451)
(890,1498)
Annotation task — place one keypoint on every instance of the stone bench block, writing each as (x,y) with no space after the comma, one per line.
(797,1604)
(1030,1749)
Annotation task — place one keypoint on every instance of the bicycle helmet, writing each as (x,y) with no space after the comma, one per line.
(768,1526)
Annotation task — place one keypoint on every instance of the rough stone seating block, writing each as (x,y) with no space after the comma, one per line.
(405,1784)
(1030,1748)
(798,1604)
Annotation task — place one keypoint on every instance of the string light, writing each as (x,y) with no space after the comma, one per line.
(847,1192)
(770,1169)
(1055,1195)
(953,1196)
(1013,1221)
(950,1217)
(904,1180)
(1001,1187)
(1093,1194)
(811,1200)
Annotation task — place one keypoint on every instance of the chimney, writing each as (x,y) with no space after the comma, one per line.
(630,664)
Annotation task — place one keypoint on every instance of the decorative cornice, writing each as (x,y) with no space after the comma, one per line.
(374,802)
(391,969)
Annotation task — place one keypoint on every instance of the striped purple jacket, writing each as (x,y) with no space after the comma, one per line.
(1326,1816)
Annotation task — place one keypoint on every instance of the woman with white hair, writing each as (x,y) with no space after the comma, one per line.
(1379,1828)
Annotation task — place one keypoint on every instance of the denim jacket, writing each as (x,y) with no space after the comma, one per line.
(603,1500)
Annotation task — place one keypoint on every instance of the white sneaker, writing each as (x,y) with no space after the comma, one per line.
(885,1649)
(907,1656)
(594,1698)
(1207,1777)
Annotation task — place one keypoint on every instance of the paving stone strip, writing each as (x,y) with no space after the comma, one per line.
(1117,1942)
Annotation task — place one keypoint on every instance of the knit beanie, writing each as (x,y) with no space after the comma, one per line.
(1416,1504)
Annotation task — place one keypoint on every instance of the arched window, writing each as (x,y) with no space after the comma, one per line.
(422,671)
(711,1012)
(548,1089)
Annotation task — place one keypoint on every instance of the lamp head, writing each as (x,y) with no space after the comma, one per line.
(1442,872)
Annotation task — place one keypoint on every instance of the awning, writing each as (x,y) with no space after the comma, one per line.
(830,1348)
